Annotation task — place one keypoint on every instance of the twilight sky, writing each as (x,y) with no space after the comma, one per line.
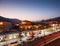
(32,10)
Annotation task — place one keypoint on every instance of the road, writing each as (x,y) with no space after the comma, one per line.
(44,40)
(54,43)
(47,39)
(38,41)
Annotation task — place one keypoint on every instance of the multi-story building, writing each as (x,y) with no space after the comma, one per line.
(25,25)
(5,26)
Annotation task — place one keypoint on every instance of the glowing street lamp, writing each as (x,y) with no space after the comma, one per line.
(1,23)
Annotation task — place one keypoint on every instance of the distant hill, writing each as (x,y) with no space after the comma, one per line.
(4,19)
(56,18)
(15,20)
(42,21)
(9,19)
(37,22)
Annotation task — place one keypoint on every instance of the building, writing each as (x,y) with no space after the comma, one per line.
(25,25)
(5,26)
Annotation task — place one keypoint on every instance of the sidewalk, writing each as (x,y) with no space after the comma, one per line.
(9,41)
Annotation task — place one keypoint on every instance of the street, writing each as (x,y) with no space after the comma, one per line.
(54,43)
(41,37)
(44,40)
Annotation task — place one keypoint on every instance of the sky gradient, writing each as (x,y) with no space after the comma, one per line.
(32,10)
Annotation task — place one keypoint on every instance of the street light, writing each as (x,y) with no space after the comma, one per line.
(1,23)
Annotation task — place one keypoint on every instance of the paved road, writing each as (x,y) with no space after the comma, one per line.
(54,43)
(46,39)
(42,41)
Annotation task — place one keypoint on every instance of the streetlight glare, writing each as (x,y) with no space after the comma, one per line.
(1,23)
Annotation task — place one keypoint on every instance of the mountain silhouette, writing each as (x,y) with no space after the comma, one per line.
(4,19)
(53,19)
(15,21)
(47,20)
(9,20)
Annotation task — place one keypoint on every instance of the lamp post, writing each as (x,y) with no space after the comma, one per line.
(44,35)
